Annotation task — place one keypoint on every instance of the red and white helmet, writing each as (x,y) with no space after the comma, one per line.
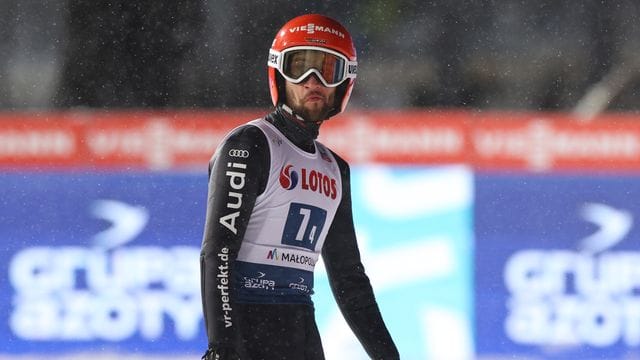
(313,44)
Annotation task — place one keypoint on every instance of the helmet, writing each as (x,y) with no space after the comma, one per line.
(327,50)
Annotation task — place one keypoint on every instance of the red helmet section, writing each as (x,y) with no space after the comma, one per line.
(317,31)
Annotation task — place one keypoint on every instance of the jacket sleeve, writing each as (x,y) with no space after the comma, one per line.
(349,283)
(238,173)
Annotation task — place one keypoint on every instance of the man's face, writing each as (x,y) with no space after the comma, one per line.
(310,98)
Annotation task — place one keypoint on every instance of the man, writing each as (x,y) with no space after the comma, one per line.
(277,199)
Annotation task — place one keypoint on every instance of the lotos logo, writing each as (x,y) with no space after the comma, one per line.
(312,180)
(288,177)
(316,181)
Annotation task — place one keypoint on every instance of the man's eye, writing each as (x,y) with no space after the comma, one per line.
(297,65)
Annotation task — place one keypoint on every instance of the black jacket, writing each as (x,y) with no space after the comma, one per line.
(349,283)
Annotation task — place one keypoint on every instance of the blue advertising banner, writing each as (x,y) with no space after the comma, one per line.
(108,262)
(557,272)
(414,227)
(101,261)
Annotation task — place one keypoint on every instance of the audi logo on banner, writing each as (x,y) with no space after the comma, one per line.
(239,153)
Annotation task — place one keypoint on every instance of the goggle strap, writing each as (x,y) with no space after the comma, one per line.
(275,59)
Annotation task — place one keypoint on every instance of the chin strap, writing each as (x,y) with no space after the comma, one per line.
(289,111)
(298,127)
(292,113)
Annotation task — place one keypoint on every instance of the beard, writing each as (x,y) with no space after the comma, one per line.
(315,114)
(311,112)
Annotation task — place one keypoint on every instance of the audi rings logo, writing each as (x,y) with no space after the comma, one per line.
(239,153)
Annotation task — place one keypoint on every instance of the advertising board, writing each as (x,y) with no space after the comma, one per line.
(108,262)
(556,265)
(101,261)
(526,248)
(179,140)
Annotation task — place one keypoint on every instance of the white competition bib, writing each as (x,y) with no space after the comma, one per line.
(289,222)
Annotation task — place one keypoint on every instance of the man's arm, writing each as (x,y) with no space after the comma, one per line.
(350,284)
(238,173)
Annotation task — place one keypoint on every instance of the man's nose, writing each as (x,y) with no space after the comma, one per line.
(312,80)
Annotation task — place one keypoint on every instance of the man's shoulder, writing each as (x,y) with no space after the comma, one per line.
(245,141)
(249,131)
(342,163)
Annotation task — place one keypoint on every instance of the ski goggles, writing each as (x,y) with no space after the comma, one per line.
(296,63)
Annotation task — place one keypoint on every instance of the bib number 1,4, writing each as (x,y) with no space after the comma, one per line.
(304,225)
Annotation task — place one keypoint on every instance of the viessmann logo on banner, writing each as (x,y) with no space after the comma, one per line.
(175,140)
(568,268)
(94,268)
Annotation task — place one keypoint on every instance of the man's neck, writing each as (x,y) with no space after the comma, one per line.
(295,128)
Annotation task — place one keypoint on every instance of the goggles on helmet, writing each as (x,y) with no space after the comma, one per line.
(296,63)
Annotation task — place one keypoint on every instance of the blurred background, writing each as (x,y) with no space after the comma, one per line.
(495,153)
(510,54)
